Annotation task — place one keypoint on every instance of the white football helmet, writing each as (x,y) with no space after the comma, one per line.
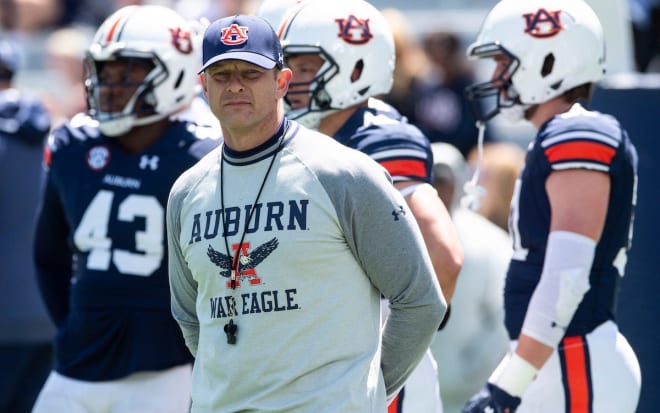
(348,35)
(554,45)
(163,39)
(275,10)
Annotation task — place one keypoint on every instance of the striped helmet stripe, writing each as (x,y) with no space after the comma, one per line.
(115,27)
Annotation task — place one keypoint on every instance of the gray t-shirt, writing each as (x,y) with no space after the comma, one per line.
(328,235)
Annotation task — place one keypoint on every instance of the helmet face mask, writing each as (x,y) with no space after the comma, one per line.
(313,91)
(357,47)
(154,37)
(490,97)
(556,45)
(124,100)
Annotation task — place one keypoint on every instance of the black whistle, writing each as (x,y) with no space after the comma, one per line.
(230,331)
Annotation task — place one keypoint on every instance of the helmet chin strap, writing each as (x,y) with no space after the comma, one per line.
(474,191)
(308,119)
(514,113)
(121,126)
(116,127)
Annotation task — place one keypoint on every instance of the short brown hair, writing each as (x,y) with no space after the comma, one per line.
(582,92)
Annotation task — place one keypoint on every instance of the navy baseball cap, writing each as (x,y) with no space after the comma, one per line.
(242,37)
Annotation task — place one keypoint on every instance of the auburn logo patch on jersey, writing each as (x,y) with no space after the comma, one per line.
(98,157)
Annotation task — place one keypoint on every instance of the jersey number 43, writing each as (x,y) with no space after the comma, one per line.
(92,234)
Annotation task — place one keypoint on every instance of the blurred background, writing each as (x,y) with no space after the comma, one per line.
(54,33)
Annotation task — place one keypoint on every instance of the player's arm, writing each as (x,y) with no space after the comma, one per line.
(438,231)
(52,255)
(578,200)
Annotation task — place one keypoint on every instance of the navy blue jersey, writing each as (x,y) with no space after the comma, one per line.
(101,249)
(379,131)
(577,139)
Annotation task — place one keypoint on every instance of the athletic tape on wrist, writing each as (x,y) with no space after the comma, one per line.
(412,188)
(514,376)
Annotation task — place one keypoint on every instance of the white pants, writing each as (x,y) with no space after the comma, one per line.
(166,391)
(598,375)
(421,393)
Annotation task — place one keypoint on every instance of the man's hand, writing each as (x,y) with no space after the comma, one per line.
(492,399)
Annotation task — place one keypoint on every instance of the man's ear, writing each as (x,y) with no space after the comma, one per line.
(283,80)
(202,80)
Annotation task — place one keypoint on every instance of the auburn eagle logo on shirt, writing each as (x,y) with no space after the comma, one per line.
(246,261)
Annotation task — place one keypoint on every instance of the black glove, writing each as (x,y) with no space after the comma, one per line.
(491,396)
(443,323)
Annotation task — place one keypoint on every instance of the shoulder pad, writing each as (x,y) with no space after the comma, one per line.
(80,127)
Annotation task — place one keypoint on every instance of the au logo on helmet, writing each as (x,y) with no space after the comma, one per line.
(353,30)
(181,40)
(543,23)
(234,35)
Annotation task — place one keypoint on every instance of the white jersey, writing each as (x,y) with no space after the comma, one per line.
(316,256)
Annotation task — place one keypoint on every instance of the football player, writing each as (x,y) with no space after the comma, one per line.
(342,56)
(100,244)
(571,217)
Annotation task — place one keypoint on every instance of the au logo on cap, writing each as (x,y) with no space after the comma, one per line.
(234,35)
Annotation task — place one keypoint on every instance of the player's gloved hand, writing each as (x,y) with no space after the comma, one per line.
(492,399)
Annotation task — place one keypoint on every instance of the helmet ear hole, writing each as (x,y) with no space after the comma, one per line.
(357,71)
(178,81)
(548,65)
